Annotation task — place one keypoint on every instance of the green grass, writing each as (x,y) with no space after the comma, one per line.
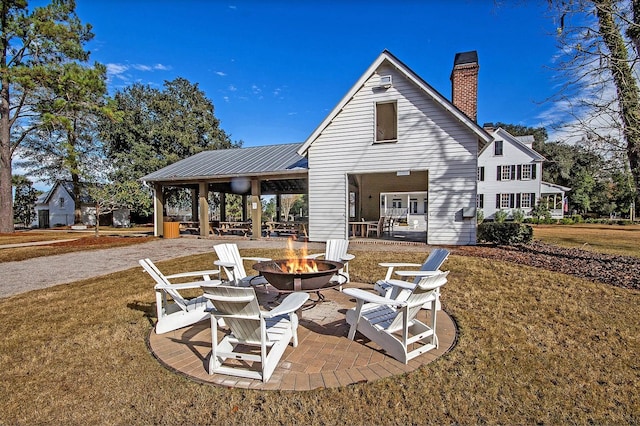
(534,347)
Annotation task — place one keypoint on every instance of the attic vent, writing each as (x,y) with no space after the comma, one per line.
(385,81)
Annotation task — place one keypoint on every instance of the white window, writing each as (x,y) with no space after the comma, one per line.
(352,204)
(497,147)
(525,200)
(480,201)
(386,121)
(396,203)
(505,172)
(61,202)
(505,201)
(526,172)
(481,173)
(413,206)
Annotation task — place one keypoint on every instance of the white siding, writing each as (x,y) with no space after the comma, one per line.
(61,212)
(512,155)
(429,138)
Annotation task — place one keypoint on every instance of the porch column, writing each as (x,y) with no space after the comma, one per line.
(256,210)
(278,207)
(158,210)
(203,217)
(223,207)
(194,204)
(245,216)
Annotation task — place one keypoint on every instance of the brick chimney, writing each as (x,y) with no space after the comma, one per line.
(464,83)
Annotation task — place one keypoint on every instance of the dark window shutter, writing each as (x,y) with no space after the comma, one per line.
(513,173)
(533,199)
(499,173)
(482,173)
(517,201)
(512,200)
(481,201)
(497,201)
(519,172)
(533,171)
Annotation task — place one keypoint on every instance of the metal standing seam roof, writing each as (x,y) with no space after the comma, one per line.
(220,163)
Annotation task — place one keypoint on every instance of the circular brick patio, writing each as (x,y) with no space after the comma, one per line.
(324,357)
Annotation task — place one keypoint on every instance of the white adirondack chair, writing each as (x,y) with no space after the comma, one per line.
(233,265)
(388,288)
(336,250)
(182,312)
(392,324)
(250,328)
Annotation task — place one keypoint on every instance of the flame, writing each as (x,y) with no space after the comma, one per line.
(298,264)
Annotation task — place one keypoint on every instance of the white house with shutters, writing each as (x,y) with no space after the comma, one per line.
(510,177)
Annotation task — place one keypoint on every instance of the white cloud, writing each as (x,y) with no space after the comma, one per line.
(161,67)
(141,67)
(232,88)
(233,7)
(220,73)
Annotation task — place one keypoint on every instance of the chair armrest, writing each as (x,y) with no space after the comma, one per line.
(291,303)
(370,297)
(195,274)
(257,259)
(182,286)
(391,266)
(401,284)
(224,264)
(395,265)
(347,257)
(417,273)
(313,256)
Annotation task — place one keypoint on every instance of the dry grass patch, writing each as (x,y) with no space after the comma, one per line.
(534,347)
(612,239)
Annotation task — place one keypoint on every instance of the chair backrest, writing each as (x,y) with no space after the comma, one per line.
(380,225)
(434,261)
(240,310)
(229,253)
(162,283)
(336,249)
(425,291)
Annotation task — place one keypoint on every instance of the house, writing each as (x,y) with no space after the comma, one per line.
(57,208)
(510,177)
(392,144)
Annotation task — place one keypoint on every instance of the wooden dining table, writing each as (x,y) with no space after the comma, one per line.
(363,227)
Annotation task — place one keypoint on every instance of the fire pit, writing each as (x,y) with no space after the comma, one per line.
(289,275)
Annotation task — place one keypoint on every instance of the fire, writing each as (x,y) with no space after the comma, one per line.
(298,264)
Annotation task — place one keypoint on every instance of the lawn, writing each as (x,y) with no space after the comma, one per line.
(612,239)
(534,347)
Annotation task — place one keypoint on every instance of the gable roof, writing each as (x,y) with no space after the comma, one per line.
(234,162)
(506,136)
(410,75)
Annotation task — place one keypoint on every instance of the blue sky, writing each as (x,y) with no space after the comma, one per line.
(274,69)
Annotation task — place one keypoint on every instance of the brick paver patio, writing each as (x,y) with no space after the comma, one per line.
(324,358)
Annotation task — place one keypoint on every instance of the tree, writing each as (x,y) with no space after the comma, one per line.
(287,201)
(24,200)
(601,43)
(65,146)
(108,198)
(32,45)
(158,128)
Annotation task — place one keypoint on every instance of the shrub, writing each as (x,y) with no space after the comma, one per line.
(505,233)
(500,216)
(517,215)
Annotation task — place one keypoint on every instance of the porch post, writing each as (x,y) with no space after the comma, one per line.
(278,203)
(244,208)
(158,206)
(223,206)
(194,204)
(203,217)
(256,210)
